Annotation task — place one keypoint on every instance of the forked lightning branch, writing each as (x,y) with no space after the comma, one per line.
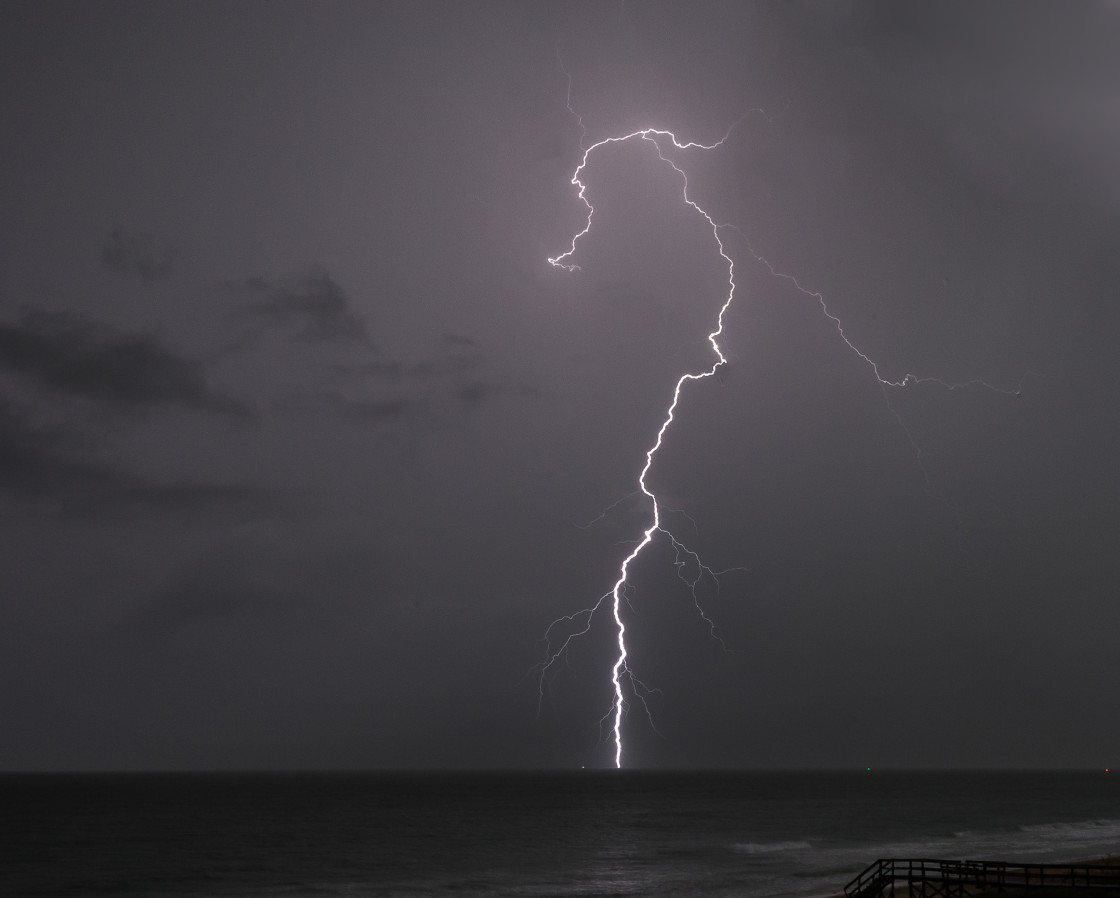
(625,685)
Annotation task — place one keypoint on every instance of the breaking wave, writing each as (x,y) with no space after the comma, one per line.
(1092,828)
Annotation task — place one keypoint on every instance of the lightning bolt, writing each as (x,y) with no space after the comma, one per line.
(660,139)
(579,623)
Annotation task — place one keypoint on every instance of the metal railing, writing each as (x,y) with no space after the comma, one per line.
(935,878)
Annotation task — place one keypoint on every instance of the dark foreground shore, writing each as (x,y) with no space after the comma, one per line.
(1078,878)
(719,834)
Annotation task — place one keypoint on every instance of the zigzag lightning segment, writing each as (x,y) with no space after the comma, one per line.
(660,139)
(621,671)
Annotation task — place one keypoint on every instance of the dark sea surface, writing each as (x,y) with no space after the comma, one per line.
(565,834)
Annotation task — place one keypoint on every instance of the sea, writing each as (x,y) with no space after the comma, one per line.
(589,834)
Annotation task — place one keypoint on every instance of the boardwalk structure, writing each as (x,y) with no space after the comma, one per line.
(933,878)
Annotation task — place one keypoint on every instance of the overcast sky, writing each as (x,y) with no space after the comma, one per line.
(303,443)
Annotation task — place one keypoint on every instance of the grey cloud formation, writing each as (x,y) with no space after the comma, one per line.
(34,463)
(51,460)
(50,465)
(462,358)
(66,354)
(138,254)
(458,371)
(420,370)
(368,409)
(315,309)
(312,307)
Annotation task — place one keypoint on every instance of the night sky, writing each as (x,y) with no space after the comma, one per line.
(303,443)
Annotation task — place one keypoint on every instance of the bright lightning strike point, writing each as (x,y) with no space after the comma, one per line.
(621,674)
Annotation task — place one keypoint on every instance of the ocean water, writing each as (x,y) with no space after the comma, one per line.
(528,834)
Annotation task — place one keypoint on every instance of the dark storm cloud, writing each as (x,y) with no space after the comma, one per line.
(66,354)
(368,409)
(34,461)
(40,463)
(420,370)
(312,307)
(141,254)
(50,461)
(459,354)
(315,309)
(455,374)
(377,411)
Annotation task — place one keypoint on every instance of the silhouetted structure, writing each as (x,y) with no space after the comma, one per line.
(932,878)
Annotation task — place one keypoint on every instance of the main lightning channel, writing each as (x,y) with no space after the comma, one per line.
(580,621)
(621,671)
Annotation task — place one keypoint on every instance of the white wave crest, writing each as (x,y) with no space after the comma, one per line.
(1091,828)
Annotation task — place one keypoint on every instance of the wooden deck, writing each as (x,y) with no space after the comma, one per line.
(933,878)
